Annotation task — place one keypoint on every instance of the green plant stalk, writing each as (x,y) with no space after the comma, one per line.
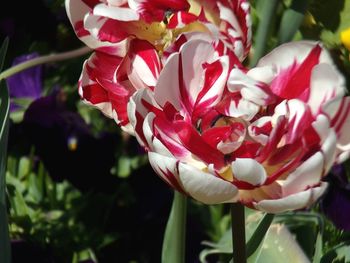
(5,248)
(238,233)
(5,255)
(291,20)
(174,242)
(267,12)
(43,60)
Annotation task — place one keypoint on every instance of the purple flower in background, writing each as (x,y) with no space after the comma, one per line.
(336,202)
(67,146)
(26,84)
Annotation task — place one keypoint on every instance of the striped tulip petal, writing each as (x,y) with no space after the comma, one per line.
(265,137)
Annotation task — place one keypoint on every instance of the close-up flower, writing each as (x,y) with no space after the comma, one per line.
(109,26)
(175,131)
(132,38)
(264,137)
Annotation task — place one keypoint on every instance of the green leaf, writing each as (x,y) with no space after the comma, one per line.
(291,20)
(306,227)
(124,166)
(278,243)
(259,234)
(35,188)
(5,255)
(23,167)
(328,13)
(334,16)
(318,249)
(340,253)
(3,51)
(268,13)
(173,250)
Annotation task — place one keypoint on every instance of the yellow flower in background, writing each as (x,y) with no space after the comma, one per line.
(345,38)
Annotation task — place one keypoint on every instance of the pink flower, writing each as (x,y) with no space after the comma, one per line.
(264,137)
(132,39)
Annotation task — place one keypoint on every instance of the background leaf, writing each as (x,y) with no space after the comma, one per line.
(175,232)
(5,254)
(339,254)
(278,243)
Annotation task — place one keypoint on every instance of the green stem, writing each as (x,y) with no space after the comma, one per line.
(291,20)
(238,233)
(44,59)
(175,233)
(268,12)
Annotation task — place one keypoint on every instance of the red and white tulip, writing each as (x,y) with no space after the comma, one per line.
(109,25)
(264,137)
(132,39)
(107,82)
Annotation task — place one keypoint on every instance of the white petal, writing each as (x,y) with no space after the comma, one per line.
(245,109)
(292,202)
(126,128)
(206,187)
(329,149)
(141,74)
(76,11)
(218,87)
(309,173)
(164,166)
(194,54)
(167,88)
(117,13)
(326,83)
(342,157)
(249,88)
(248,170)
(134,107)
(321,125)
(286,54)
(260,138)
(298,116)
(154,144)
(339,111)
(117,2)
(263,74)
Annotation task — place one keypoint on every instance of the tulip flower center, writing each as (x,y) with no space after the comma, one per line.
(159,35)
(163,34)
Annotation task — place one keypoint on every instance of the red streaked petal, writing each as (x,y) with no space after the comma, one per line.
(327,84)
(181,19)
(167,169)
(191,139)
(215,135)
(95,94)
(294,81)
(155,10)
